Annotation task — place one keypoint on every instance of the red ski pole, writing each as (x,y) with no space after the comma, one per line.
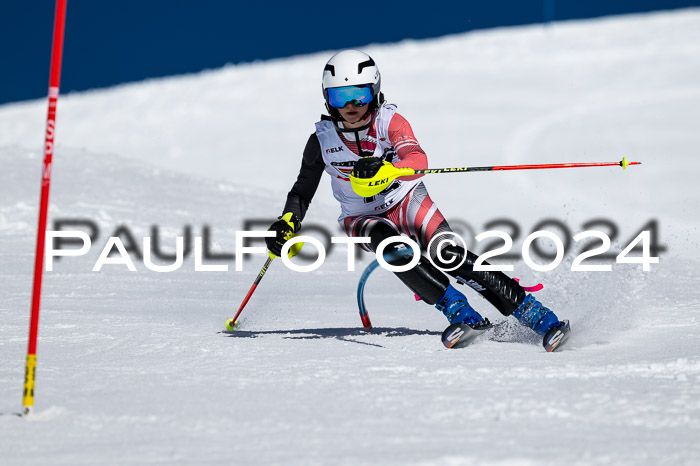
(232,324)
(368,187)
(623,163)
(54,81)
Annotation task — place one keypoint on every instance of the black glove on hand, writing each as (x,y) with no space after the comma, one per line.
(284,227)
(367,167)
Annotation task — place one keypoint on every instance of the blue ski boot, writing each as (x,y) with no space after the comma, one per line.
(465,323)
(457,309)
(543,321)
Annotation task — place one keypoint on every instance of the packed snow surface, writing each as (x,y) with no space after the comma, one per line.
(131,369)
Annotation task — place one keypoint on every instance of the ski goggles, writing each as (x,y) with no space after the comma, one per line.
(359,96)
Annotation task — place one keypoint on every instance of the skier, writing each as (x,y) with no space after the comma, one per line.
(359,135)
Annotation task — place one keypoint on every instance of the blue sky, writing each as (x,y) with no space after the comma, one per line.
(113,42)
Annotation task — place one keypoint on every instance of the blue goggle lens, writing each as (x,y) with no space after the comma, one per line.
(339,97)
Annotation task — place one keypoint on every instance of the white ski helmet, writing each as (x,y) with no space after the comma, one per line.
(351,68)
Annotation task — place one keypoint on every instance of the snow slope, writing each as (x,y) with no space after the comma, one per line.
(131,370)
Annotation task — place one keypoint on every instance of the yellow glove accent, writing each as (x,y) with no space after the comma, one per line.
(293,250)
(288,218)
(296,248)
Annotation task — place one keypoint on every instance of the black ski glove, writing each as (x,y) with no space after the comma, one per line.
(367,167)
(284,227)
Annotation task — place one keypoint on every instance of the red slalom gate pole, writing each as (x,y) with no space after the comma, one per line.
(54,81)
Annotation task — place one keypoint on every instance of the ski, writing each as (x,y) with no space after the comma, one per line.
(556,336)
(461,335)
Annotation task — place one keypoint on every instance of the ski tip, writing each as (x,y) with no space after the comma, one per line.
(231,325)
(452,335)
(461,335)
(557,336)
